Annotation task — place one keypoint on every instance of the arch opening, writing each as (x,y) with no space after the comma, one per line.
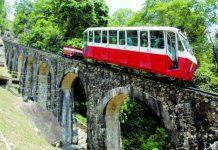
(67,107)
(132,124)
(11,61)
(44,86)
(73,100)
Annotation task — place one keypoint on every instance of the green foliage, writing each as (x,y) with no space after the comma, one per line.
(157,141)
(74,42)
(46,24)
(206,76)
(126,109)
(2,15)
(120,17)
(140,127)
(80,107)
(22,17)
(81,118)
(192,16)
(49,40)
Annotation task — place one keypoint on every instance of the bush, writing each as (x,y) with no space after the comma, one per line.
(140,127)
(74,42)
(44,35)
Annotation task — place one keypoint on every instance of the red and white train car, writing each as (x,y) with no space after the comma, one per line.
(160,50)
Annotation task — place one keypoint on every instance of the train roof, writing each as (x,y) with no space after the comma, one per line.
(163,28)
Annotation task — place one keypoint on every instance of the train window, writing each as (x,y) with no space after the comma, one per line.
(90,36)
(157,39)
(171,42)
(122,40)
(104,37)
(113,37)
(144,38)
(186,44)
(97,36)
(180,47)
(132,38)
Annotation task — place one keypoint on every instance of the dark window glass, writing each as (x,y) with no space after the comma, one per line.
(144,38)
(113,37)
(171,42)
(104,36)
(157,39)
(122,40)
(180,47)
(90,36)
(97,36)
(132,38)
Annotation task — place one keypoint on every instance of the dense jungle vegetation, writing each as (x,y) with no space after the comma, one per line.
(2,15)
(50,24)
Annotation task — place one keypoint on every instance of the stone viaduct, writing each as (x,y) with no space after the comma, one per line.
(53,81)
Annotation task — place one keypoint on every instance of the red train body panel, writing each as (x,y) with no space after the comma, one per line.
(71,51)
(172,57)
(154,63)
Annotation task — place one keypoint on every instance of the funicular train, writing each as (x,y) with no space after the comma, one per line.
(159,50)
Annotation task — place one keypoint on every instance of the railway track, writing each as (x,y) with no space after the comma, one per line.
(202,91)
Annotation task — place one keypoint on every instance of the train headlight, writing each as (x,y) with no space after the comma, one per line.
(190,69)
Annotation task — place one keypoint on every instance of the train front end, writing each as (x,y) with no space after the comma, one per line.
(188,59)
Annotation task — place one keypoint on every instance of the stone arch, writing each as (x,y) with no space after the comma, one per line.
(111,106)
(113,123)
(72,92)
(28,77)
(67,107)
(44,85)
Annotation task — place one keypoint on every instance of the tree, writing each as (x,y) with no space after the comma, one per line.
(101,11)
(69,19)
(2,15)
(192,16)
(120,17)
(144,133)
(44,35)
(23,10)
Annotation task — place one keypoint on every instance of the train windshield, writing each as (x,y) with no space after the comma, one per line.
(186,44)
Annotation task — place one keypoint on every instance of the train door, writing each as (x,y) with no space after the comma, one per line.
(158,52)
(90,44)
(122,53)
(104,45)
(144,56)
(172,60)
(97,45)
(133,49)
(112,50)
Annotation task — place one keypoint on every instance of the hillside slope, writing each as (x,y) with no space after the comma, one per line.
(18,131)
